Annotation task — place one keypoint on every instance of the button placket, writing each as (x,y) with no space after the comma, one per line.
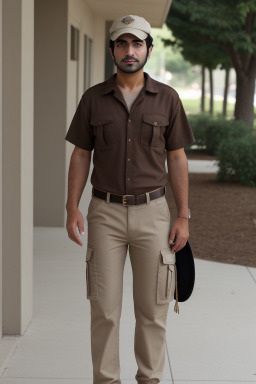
(129,145)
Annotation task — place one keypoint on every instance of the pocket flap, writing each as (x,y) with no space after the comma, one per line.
(156,120)
(99,120)
(89,253)
(167,256)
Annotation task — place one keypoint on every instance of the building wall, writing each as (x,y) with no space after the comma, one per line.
(59,85)
(88,23)
(1,164)
(17,155)
(50,111)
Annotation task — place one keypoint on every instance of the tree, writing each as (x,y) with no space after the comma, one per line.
(198,52)
(229,24)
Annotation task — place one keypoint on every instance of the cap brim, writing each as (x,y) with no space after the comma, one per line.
(185,272)
(136,32)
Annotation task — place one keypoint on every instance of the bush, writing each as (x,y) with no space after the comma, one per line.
(209,132)
(222,130)
(237,160)
(199,124)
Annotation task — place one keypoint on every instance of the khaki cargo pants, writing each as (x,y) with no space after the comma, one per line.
(145,228)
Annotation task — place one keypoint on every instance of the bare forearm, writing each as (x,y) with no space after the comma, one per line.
(77,176)
(178,176)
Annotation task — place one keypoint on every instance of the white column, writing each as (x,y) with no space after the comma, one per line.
(1,242)
(18,106)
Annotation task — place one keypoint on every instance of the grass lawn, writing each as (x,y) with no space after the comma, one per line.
(193,106)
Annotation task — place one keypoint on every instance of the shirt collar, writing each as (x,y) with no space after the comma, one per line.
(150,84)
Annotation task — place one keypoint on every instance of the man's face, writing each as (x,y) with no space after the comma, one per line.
(130,53)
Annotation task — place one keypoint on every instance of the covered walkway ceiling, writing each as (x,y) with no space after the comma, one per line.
(154,11)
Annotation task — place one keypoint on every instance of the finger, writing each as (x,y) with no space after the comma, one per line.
(80,225)
(73,235)
(172,237)
(181,245)
(177,244)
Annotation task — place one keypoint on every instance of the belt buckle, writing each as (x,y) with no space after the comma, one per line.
(123,199)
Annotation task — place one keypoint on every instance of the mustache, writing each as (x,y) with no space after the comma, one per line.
(129,58)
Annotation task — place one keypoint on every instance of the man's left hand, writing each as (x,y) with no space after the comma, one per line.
(179,234)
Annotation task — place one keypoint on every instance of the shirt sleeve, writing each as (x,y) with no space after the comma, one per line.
(179,133)
(80,132)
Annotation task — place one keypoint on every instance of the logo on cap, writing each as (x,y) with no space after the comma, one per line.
(127,20)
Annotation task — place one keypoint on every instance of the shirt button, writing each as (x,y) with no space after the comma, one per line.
(128,179)
(129,139)
(155,122)
(129,159)
(129,121)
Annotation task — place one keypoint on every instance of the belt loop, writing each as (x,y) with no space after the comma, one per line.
(108,198)
(147,197)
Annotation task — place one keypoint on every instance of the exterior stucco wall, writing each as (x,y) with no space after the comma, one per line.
(50,111)
(83,18)
(1,184)
(17,126)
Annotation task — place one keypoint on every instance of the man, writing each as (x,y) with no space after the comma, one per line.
(130,121)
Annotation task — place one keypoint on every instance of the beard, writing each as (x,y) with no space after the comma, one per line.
(130,68)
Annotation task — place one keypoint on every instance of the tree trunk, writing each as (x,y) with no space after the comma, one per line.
(225,99)
(203,90)
(211,91)
(244,108)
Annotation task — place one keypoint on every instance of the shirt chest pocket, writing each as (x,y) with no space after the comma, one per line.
(102,129)
(153,128)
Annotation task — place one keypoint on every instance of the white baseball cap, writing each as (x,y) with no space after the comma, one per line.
(135,25)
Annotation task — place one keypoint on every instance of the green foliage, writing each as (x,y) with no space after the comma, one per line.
(170,59)
(223,31)
(222,22)
(220,130)
(199,124)
(194,45)
(237,160)
(210,131)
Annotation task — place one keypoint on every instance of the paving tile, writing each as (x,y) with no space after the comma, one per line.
(202,166)
(211,382)
(252,272)
(44,381)
(214,336)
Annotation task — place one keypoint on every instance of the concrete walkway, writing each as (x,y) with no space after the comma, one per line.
(202,166)
(212,340)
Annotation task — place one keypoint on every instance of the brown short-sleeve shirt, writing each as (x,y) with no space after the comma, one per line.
(129,146)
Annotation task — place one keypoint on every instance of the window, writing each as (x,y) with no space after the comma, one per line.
(74,43)
(87,61)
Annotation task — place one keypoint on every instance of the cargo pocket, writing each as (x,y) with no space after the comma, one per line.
(166,277)
(101,124)
(152,129)
(91,275)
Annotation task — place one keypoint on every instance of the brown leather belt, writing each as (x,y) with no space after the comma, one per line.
(128,199)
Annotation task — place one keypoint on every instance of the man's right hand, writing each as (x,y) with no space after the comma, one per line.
(74,220)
